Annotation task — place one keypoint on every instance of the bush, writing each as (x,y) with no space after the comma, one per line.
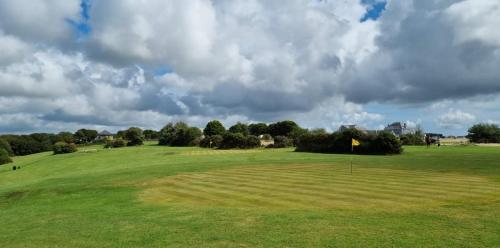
(179,134)
(116,143)
(238,140)
(385,143)
(484,133)
(415,139)
(252,141)
(322,143)
(233,140)
(25,145)
(341,142)
(213,141)
(6,146)
(134,136)
(63,147)
(4,157)
(281,142)
(65,137)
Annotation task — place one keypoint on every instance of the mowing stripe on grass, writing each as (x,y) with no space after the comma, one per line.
(318,186)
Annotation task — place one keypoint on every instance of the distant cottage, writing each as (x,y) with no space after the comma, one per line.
(105,135)
(398,129)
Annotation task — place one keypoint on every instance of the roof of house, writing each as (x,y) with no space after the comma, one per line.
(395,125)
(105,133)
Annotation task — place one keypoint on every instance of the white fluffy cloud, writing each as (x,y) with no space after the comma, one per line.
(148,62)
(456,119)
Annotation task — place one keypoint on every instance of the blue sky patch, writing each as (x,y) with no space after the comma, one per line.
(374,9)
(82,27)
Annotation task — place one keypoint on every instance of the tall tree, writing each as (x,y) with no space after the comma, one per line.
(239,128)
(283,128)
(484,133)
(134,136)
(214,127)
(85,136)
(258,129)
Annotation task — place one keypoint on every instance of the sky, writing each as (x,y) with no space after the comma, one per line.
(71,64)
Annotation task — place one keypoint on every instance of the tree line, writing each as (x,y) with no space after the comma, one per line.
(241,135)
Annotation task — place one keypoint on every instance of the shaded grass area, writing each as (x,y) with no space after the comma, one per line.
(180,197)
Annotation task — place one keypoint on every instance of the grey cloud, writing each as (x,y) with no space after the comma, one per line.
(420,59)
(239,60)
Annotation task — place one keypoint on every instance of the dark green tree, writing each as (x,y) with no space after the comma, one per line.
(413,139)
(283,128)
(179,134)
(134,136)
(214,127)
(167,135)
(65,137)
(4,157)
(85,136)
(63,147)
(258,128)
(151,134)
(484,133)
(6,146)
(239,128)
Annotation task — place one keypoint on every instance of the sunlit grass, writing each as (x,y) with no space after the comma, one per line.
(156,196)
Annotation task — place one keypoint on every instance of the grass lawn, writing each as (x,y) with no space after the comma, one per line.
(154,196)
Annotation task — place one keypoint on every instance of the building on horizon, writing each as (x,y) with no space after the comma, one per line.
(398,129)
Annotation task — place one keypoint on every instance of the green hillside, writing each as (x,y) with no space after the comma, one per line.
(153,196)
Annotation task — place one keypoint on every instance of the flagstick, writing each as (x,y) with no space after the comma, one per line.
(352,151)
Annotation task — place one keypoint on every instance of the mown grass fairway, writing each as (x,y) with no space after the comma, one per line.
(156,196)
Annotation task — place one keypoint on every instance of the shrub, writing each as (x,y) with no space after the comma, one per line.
(238,140)
(214,127)
(281,142)
(213,141)
(65,137)
(4,157)
(415,139)
(116,143)
(63,147)
(179,134)
(323,143)
(233,140)
(484,133)
(341,142)
(385,143)
(25,145)
(6,146)
(252,141)
(134,136)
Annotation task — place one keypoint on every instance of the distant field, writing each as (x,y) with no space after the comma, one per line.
(456,141)
(154,196)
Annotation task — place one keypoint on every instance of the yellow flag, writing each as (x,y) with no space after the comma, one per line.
(355,142)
